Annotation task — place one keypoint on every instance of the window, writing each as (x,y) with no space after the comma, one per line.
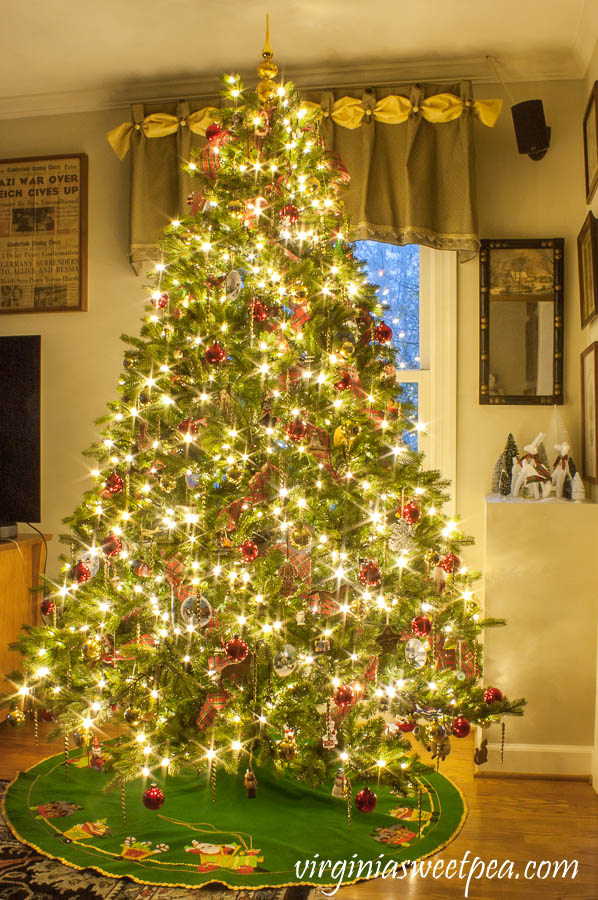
(418,289)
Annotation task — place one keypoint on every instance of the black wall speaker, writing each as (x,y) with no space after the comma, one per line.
(531,130)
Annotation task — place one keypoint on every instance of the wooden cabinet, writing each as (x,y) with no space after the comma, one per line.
(20,564)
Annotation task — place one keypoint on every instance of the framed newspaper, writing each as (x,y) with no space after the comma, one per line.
(43,234)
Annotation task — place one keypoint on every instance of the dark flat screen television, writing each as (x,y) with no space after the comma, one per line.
(19,430)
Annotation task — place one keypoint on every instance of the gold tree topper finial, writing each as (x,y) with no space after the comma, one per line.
(267,70)
(267,52)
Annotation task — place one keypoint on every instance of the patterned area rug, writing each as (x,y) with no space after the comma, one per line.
(26,874)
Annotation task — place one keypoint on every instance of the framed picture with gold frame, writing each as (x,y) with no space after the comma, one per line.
(590,142)
(587,259)
(43,234)
(521,321)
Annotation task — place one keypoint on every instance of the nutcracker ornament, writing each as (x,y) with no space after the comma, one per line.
(250,783)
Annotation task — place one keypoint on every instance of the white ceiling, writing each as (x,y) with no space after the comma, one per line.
(61,54)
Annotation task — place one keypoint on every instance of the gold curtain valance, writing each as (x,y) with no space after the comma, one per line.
(159,125)
(348,112)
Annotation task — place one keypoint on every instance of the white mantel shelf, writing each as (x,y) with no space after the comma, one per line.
(541,574)
(548,501)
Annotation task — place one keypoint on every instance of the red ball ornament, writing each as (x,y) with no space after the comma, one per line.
(187,426)
(344,382)
(161,302)
(249,551)
(383,333)
(406,727)
(365,800)
(492,695)
(411,513)
(213,131)
(47,606)
(215,354)
(47,715)
(236,649)
(461,727)
(111,545)
(80,572)
(296,430)
(153,798)
(114,484)
(421,626)
(449,563)
(259,311)
(370,574)
(289,213)
(344,696)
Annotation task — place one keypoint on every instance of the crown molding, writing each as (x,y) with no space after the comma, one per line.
(546,67)
(586,41)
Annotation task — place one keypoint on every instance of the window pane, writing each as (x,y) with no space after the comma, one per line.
(396,272)
(410,394)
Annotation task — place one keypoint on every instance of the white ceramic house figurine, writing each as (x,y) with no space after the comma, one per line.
(533,473)
(561,468)
(515,472)
(578,491)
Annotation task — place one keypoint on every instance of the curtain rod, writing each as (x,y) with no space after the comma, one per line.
(206,94)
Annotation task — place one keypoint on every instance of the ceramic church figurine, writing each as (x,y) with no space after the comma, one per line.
(533,472)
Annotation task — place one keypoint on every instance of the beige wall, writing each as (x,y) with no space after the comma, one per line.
(81,352)
(517,198)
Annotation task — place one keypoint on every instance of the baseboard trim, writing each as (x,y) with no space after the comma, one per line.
(551,761)
(531,776)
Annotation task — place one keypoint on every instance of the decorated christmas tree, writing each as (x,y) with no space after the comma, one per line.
(260,573)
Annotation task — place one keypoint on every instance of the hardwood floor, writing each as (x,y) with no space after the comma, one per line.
(509,819)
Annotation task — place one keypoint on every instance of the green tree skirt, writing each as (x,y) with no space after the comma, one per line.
(269,841)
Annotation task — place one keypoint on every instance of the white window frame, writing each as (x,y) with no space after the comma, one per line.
(437,376)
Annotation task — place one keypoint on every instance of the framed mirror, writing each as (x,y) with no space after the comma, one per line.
(521,321)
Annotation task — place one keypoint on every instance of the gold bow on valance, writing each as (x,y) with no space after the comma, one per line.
(348,112)
(158,125)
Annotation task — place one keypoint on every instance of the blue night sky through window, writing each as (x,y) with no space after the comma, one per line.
(396,272)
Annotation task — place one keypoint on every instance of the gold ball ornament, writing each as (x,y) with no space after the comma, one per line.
(16,718)
(91,649)
(234,474)
(267,69)
(312,185)
(346,349)
(300,537)
(167,483)
(235,208)
(300,293)
(132,716)
(346,434)
(266,91)
(286,749)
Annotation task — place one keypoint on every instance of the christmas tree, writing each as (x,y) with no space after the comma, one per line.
(261,573)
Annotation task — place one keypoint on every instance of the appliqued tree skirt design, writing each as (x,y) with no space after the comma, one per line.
(269,841)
